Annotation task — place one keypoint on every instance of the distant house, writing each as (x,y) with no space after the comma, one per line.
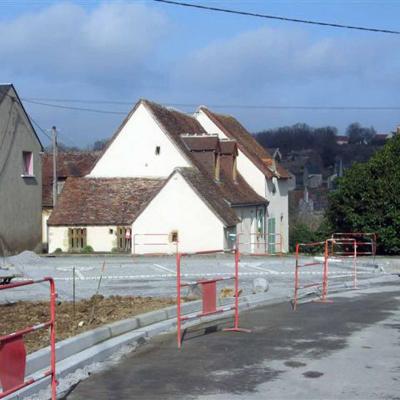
(260,170)
(69,164)
(20,176)
(161,180)
(342,139)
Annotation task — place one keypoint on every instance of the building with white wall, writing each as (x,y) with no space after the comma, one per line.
(264,174)
(202,202)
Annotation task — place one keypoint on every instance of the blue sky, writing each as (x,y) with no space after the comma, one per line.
(125,50)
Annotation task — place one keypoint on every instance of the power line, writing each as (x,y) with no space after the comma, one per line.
(251,14)
(75,108)
(194,106)
(39,127)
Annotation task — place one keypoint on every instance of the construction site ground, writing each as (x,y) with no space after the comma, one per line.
(88,315)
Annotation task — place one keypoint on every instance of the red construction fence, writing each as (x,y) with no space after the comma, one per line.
(365,241)
(303,253)
(258,244)
(13,352)
(209,292)
(342,248)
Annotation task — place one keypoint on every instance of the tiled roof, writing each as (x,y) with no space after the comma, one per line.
(201,143)
(103,201)
(247,144)
(228,147)
(210,194)
(176,125)
(75,164)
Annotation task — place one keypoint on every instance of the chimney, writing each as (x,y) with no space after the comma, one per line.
(398,130)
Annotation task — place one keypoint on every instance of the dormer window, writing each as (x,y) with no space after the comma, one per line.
(27,163)
(157,151)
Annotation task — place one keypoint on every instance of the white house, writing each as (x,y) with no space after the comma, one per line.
(259,169)
(162,179)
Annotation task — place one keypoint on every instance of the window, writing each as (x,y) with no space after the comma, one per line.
(173,237)
(158,150)
(27,163)
(124,236)
(76,238)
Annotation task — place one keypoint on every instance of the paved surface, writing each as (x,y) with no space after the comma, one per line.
(349,349)
(155,276)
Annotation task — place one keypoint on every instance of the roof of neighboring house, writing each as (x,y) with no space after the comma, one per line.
(75,164)
(233,129)
(4,88)
(103,201)
(210,194)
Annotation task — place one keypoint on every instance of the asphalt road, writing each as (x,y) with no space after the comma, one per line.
(348,349)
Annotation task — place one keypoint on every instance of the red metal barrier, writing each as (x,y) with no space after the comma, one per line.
(156,239)
(364,239)
(13,352)
(209,293)
(344,249)
(261,240)
(308,249)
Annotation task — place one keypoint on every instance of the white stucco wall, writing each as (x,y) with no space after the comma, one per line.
(46,212)
(278,208)
(133,151)
(99,237)
(278,202)
(178,208)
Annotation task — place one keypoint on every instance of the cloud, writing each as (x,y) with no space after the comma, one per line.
(110,43)
(267,58)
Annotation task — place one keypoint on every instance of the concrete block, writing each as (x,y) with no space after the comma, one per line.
(121,327)
(151,318)
(191,307)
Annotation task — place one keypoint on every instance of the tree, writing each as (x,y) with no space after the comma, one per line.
(360,135)
(100,144)
(368,198)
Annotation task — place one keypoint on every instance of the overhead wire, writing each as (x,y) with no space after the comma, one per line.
(275,17)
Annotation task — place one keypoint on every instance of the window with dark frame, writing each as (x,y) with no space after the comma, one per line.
(173,237)
(158,150)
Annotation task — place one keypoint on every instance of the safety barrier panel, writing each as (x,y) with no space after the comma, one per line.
(266,244)
(209,293)
(344,249)
(309,249)
(366,241)
(13,352)
(153,240)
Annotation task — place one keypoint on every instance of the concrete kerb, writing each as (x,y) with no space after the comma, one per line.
(99,344)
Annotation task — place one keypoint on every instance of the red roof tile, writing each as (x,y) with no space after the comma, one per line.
(103,201)
(247,143)
(68,164)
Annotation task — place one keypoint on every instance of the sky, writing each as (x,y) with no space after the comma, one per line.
(88,54)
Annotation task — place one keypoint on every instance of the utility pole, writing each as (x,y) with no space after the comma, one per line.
(54,138)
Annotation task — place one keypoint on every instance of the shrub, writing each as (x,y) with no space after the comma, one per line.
(87,249)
